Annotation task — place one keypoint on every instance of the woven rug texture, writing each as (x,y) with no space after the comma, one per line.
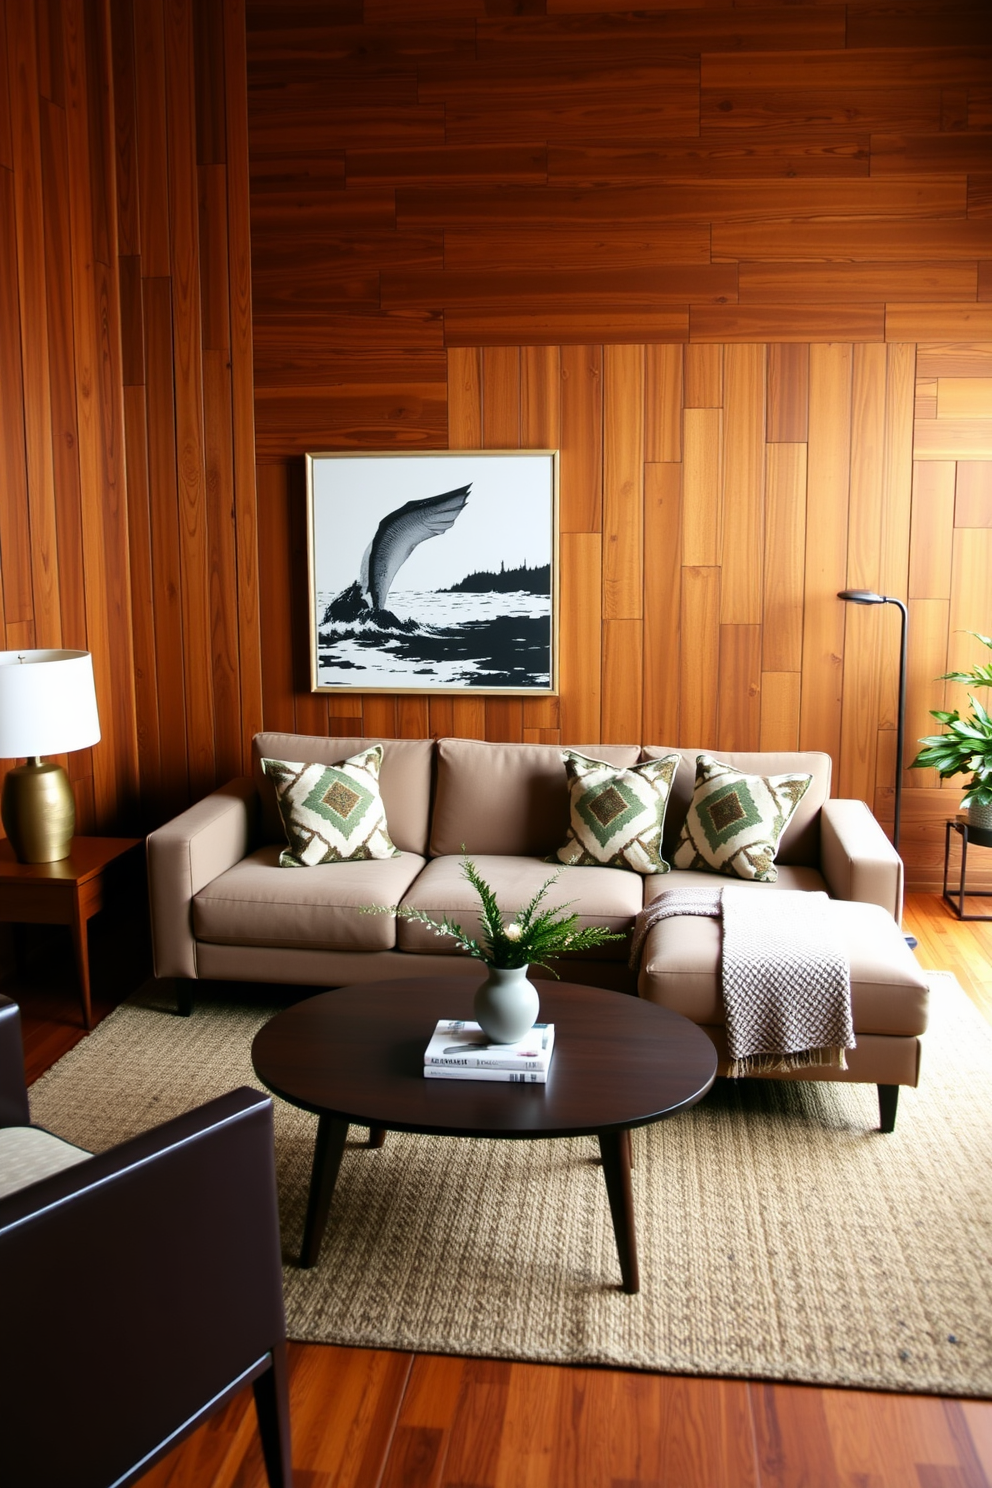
(780,1235)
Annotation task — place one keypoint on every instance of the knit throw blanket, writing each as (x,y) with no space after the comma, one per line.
(786,982)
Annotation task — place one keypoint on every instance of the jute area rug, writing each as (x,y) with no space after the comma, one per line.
(781,1236)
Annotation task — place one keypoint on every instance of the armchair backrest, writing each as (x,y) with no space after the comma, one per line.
(13,1091)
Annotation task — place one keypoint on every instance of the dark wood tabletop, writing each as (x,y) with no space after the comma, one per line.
(358,1053)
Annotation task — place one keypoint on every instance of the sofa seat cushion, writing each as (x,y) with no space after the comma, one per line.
(258,903)
(680,969)
(607,897)
(809,879)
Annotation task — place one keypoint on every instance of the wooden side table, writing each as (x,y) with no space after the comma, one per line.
(69,892)
(980,837)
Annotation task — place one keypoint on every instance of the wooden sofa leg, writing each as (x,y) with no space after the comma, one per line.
(888,1099)
(183,987)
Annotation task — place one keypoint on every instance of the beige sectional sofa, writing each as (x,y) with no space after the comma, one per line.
(222,908)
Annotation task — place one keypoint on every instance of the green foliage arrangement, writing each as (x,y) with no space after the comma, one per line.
(967,745)
(529,938)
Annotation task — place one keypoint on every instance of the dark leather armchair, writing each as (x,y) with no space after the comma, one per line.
(139,1291)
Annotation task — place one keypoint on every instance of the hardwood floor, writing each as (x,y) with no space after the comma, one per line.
(365,1418)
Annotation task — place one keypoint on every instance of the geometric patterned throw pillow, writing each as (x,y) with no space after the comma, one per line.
(735,822)
(331,813)
(616,815)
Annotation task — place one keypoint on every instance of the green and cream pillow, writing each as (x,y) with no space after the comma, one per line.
(616,815)
(736,822)
(331,813)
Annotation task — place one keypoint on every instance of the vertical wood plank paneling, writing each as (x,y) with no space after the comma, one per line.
(275,597)
(242,389)
(931,529)
(186,330)
(540,428)
(788,392)
(859,722)
(99,413)
(743,484)
(785,547)
(165,548)
(662,601)
(703,376)
(15,543)
(581,439)
(971,602)
(740,705)
(926,663)
(780,695)
(699,687)
(623,642)
(501,397)
(827,499)
(540,397)
(153,150)
(702,483)
(663,403)
(22,64)
(897,480)
(464,398)
(623,483)
(65,439)
(581,636)
(973,494)
(143,617)
(222,561)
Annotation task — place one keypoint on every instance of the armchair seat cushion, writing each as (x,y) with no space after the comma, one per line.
(28,1154)
(258,903)
(681,969)
(607,897)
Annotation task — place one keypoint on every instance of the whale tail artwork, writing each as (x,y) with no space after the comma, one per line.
(395,538)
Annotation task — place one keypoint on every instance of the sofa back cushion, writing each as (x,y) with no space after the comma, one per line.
(506,799)
(404,780)
(800,844)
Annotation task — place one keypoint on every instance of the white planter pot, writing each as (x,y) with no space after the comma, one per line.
(980,816)
(507,1004)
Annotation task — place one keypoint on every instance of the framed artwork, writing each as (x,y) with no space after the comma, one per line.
(434,572)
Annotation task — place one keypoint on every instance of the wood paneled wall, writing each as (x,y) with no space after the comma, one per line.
(709,251)
(696,248)
(127,512)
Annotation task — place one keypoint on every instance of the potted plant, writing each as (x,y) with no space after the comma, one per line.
(507,1004)
(966,747)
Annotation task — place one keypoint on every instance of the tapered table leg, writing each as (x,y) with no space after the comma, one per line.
(331,1136)
(614,1147)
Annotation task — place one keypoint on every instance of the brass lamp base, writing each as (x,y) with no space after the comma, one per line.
(38,811)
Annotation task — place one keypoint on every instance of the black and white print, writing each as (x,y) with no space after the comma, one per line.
(433,572)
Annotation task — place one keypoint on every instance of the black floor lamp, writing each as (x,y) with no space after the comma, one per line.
(869,597)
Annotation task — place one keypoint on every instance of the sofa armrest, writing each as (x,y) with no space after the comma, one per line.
(183,857)
(857,859)
(13,1092)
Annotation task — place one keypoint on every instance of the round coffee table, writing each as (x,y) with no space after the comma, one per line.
(357,1055)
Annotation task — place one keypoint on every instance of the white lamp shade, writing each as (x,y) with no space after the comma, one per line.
(47,703)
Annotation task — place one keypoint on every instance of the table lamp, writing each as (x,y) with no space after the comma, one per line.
(47,706)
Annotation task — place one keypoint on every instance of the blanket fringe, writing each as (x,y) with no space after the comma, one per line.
(768,1064)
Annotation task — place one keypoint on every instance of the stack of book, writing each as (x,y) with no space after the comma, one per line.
(461,1051)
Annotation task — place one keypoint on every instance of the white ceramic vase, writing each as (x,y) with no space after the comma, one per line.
(507,1004)
(980,816)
